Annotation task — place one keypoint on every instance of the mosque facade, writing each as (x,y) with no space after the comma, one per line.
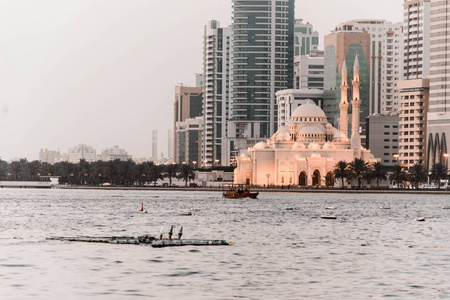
(306,150)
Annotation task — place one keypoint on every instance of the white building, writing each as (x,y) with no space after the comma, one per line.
(82,151)
(416,34)
(306,40)
(113,153)
(289,100)
(217,52)
(439,106)
(305,151)
(386,52)
(155,144)
(49,156)
(309,71)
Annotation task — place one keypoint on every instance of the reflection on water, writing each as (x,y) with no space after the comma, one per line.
(282,250)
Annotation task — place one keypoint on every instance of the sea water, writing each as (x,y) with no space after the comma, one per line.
(276,253)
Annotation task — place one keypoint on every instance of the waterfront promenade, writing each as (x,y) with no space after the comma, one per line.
(266,190)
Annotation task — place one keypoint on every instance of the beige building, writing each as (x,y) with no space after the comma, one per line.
(113,153)
(49,156)
(414,97)
(82,151)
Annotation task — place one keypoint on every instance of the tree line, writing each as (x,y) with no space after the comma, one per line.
(115,172)
(360,170)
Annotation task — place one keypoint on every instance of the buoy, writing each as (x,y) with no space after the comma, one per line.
(289,208)
(145,211)
(184,213)
(294,244)
(161,232)
(363,245)
(170,232)
(421,219)
(142,206)
(328,217)
(180,233)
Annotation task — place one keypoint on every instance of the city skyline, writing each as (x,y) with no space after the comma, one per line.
(103,73)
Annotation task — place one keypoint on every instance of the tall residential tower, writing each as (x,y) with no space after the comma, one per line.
(263,48)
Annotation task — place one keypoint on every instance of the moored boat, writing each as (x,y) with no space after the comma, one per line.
(236,193)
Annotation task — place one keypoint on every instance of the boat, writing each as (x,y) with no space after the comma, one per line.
(239,192)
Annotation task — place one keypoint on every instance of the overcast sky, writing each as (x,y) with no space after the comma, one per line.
(102,72)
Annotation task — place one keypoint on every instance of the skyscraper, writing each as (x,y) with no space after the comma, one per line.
(386,50)
(439,105)
(346,45)
(216,97)
(187,105)
(155,144)
(306,39)
(263,48)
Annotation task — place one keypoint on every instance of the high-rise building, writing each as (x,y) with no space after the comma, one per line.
(414,98)
(113,153)
(263,62)
(416,43)
(386,50)
(82,151)
(439,106)
(49,156)
(414,88)
(216,96)
(187,104)
(346,45)
(199,80)
(155,144)
(170,144)
(306,39)
(189,140)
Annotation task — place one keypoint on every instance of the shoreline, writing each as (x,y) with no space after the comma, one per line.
(261,190)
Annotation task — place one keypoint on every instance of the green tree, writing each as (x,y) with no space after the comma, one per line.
(341,172)
(186,173)
(170,171)
(417,174)
(358,169)
(154,173)
(438,172)
(378,172)
(398,175)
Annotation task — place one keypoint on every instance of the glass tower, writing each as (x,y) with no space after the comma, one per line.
(263,48)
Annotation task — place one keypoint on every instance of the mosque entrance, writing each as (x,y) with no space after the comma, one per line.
(316,178)
(302,179)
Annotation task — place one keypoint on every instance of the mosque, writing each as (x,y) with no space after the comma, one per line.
(307,149)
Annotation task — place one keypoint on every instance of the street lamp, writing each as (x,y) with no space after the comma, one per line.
(216,161)
(194,162)
(268,176)
(396,157)
(204,163)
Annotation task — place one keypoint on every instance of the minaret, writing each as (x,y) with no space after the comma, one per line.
(356,104)
(344,102)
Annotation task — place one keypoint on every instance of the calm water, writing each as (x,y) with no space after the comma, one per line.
(403,258)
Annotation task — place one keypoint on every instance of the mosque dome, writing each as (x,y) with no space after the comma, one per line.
(329,145)
(299,145)
(308,110)
(261,145)
(244,157)
(339,135)
(314,146)
(315,154)
(282,133)
(311,129)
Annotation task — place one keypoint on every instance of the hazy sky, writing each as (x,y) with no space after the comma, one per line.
(102,72)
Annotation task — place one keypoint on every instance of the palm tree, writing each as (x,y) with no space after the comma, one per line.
(186,173)
(438,172)
(154,173)
(398,175)
(340,171)
(171,171)
(378,172)
(417,174)
(358,169)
